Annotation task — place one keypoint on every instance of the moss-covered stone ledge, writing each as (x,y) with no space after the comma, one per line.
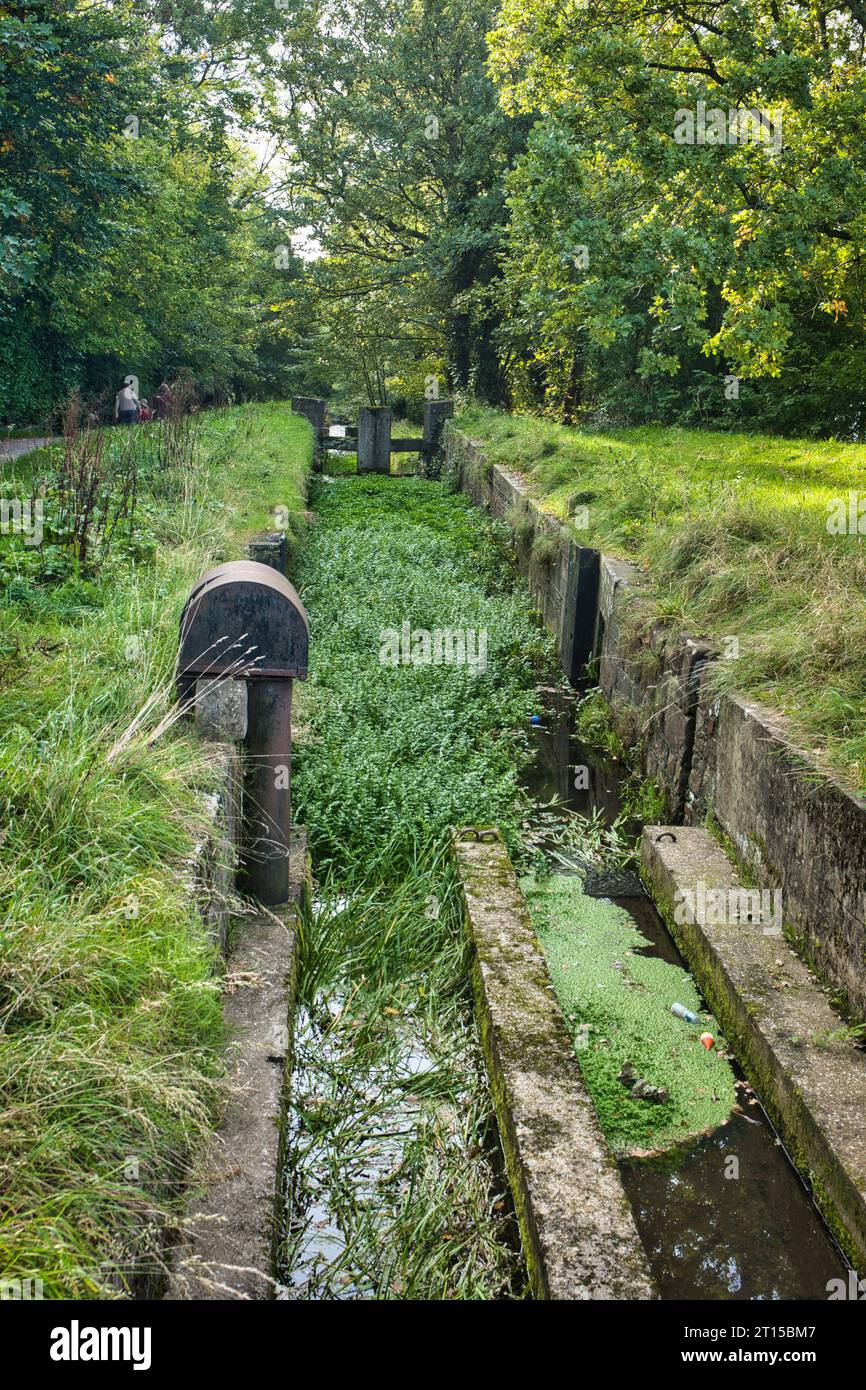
(227,1244)
(792,825)
(791,1043)
(576,1225)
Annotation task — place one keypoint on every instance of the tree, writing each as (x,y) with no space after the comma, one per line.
(737,244)
(134,228)
(396,151)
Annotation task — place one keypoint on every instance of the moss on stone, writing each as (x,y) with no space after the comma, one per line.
(593,952)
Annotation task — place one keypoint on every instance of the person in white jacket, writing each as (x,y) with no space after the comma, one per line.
(126,403)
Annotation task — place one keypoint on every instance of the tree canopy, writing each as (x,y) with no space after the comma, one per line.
(601,211)
(739,255)
(136,233)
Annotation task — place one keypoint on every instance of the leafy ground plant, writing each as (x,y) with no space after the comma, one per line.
(394,1184)
(616,998)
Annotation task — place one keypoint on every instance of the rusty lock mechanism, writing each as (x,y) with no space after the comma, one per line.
(244,621)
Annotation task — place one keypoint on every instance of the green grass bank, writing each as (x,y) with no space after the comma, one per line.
(732,529)
(110,1013)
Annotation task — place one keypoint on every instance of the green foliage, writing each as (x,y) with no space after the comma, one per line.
(634,257)
(392,1118)
(593,726)
(398,752)
(135,235)
(545,549)
(398,150)
(109,992)
(617,1005)
(512,213)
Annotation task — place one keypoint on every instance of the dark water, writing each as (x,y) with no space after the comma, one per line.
(727,1216)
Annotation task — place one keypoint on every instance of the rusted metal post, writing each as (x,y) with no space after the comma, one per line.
(374,439)
(244,621)
(268,790)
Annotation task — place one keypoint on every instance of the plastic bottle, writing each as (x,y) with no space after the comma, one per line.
(680,1011)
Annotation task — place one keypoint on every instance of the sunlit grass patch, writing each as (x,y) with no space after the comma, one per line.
(732,530)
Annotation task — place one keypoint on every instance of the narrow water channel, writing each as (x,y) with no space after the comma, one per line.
(394,1185)
(708,1234)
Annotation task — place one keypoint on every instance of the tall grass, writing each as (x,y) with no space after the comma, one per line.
(732,529)
(110,1015)
(393,1131)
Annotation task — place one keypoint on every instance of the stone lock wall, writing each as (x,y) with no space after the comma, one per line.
(649,673)
(587,601)
(791,826)
(564,584)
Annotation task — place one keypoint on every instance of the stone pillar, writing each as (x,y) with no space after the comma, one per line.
(269,548)
(314,410)
(435,415)
(221,709)
(374,439)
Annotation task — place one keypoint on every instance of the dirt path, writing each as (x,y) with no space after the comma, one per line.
(14,448)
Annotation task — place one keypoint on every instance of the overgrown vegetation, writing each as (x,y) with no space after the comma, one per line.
(666,260)
(580,210)
(616,999)
(391,1112)
(138,232)
(733,531)
(110,1018)
(401,752)
(394,1187)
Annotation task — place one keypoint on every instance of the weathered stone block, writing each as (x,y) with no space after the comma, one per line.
(576,1224)
(785,1032)
(269,548)
(221,709)
(801,832)
(314,410)
(374,439)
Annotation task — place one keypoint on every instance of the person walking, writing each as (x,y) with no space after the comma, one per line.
(126,404)
(162,402)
